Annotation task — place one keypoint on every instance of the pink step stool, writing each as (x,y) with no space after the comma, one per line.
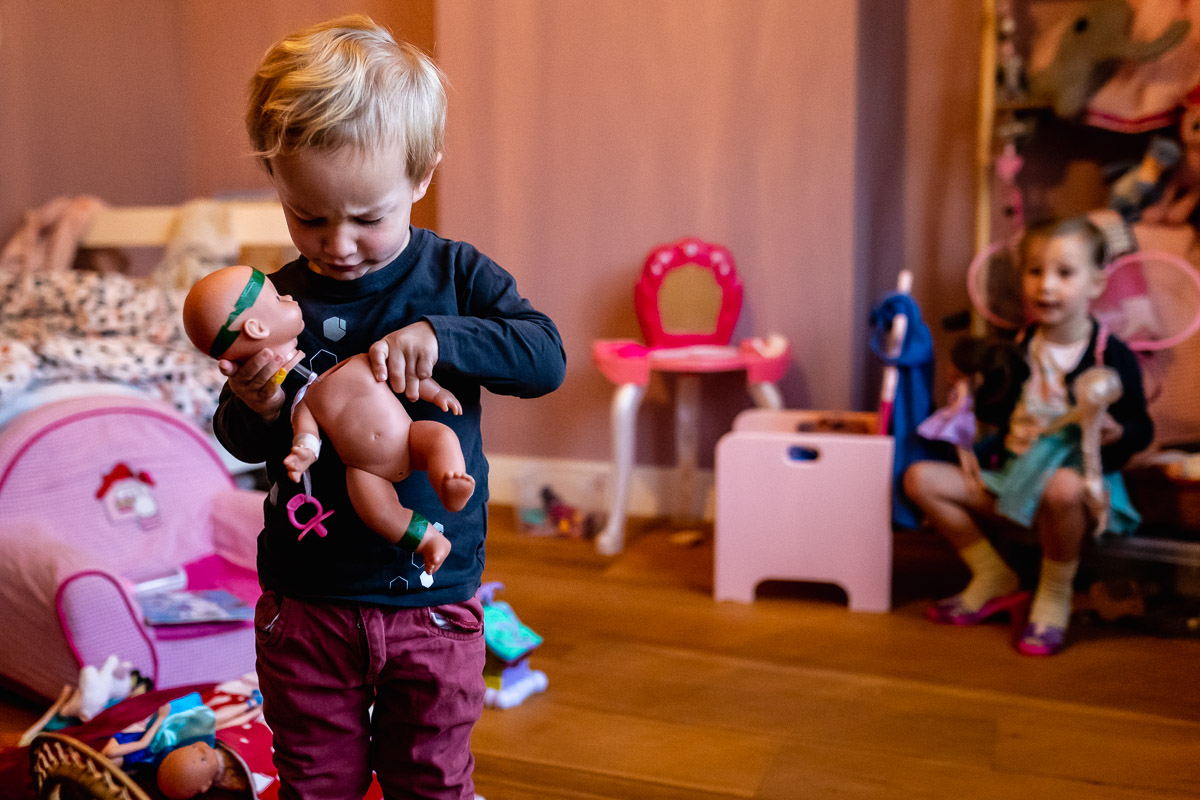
(794,502)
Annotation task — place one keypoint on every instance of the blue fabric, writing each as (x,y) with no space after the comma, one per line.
(914,392)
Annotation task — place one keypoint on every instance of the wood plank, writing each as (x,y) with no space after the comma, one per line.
(703,758)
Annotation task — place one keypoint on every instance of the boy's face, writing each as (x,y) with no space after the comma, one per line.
(1062,280)
(348,212)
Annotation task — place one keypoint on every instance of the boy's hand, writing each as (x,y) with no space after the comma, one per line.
(405,357)
(254,383)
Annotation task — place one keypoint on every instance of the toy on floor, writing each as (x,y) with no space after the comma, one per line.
(235,312)
(99,688)
(506,671)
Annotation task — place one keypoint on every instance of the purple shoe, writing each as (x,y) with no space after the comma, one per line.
(951,611)
(1041,640)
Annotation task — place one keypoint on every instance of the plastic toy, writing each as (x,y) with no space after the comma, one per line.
(1180,196)
(1145,183)
(506,671)
(197,768)
(687,299)
(236,312)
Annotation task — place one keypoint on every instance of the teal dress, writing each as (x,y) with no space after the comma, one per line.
(1021,480)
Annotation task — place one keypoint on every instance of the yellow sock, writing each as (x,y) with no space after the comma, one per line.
(1055,591)
(990,576)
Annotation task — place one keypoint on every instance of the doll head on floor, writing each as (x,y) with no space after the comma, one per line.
(193,770)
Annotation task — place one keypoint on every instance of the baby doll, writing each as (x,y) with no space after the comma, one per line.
(197,768)
(235,312)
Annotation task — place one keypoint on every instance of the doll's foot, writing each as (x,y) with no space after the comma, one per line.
(455,490)
(952,611)
(1041,640)
(433,549)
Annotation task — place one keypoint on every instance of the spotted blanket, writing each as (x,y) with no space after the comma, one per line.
(85,327)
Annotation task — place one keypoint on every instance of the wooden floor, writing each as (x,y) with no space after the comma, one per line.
(658,693)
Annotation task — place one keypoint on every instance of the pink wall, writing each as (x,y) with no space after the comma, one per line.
(580,136)
(140,101)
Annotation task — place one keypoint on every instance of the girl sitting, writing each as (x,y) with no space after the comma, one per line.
(1033,467)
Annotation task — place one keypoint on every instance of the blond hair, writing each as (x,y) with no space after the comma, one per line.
(347,82)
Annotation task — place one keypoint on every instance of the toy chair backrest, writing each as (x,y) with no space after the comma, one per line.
(689,293)
(127,481)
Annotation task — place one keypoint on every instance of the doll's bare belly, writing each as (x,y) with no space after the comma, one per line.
(364,420)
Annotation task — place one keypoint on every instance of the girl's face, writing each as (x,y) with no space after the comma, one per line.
(1059,287)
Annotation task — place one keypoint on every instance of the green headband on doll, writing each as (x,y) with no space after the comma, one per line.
(226,337)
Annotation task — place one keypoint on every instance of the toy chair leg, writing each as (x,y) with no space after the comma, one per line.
(766,395)
(626,401)
(687,445)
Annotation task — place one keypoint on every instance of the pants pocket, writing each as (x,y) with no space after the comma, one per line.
(270,618)
(457,620)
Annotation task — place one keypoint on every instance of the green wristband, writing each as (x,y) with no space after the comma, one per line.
(414,534)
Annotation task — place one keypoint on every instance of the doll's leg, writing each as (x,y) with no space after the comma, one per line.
(374,500)
(434,448)
(1062,522)
(940,491)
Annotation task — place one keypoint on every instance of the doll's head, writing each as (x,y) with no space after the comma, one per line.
(1063,272)
(235,312)
(188,771)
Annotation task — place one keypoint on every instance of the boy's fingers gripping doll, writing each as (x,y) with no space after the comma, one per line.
(405,358)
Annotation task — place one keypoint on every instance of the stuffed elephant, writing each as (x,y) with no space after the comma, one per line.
(1092,48)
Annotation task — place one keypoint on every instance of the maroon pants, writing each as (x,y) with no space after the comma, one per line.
(322,665)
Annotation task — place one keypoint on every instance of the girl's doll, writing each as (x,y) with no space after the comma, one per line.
(1033,463)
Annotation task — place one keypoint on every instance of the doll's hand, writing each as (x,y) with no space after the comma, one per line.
(1110,429)
(254,383)
(405,357)
(300,459)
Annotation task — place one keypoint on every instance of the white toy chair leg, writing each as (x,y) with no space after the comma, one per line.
(766,395)
(687,445)
(625,403)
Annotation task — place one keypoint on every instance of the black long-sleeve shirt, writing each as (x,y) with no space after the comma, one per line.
(1129,410)
(489,337)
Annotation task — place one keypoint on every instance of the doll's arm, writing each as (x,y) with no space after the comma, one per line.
(433,392)
(115,750)
(306,444)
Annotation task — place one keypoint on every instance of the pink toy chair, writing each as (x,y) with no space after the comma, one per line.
(687,300)
(98,494)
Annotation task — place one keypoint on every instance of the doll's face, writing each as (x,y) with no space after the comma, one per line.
(235,312)
(279,316)
(189,771)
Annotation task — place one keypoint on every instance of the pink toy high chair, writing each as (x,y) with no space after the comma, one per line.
(687,300)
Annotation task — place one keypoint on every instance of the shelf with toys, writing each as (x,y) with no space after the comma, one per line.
(1092,107)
